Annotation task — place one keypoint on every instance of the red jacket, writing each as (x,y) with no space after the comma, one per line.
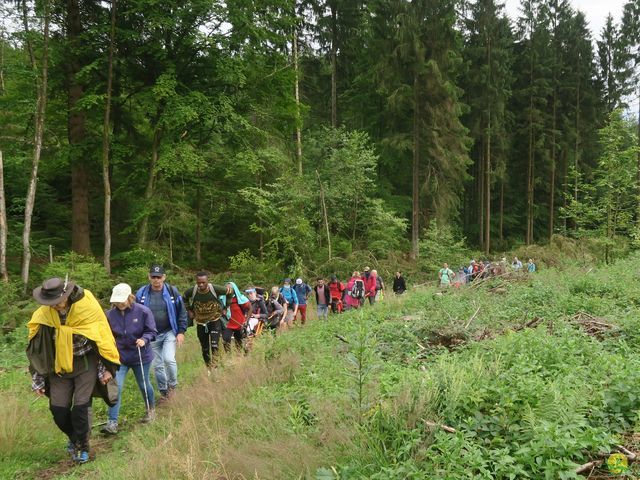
(369,285)
(237,314)
(336,289)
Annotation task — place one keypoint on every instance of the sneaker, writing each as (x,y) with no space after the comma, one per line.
(81,457)
(150,416)
(71,449)
(111,428)
(163,400)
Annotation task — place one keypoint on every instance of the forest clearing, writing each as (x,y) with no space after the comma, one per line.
(534,380)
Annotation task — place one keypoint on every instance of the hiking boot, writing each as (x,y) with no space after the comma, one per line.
(81,457)
(111,428)
(163,400)
(150,416)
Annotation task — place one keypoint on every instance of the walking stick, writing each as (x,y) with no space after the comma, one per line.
(144,379)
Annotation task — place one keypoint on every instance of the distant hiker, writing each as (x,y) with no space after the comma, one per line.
(71,350)
(355,291)
(323,298)
(258,313)
(379,286)
(170,315)
(516,264)
(302,292)
(275,309)
(134,329)
(445,274)
(205,309)
(531,267)
(474,269)
(399,285)
(336,289)
(369,279)
(291,299)
(238,310)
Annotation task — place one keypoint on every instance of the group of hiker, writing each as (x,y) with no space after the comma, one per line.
(480,270)
(76,351)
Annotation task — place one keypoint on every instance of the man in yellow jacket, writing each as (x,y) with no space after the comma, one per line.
(71,349)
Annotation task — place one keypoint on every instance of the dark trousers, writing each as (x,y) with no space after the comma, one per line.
(209,336)
(70,399)
(229,333)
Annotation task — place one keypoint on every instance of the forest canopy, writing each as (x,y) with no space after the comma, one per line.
(297,132)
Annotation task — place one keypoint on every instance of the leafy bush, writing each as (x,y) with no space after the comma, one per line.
(83,270)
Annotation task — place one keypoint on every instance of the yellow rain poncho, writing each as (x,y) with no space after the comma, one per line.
(85,318)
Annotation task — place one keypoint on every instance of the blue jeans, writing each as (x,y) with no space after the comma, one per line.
(164,361)
(323,311)
(121,375)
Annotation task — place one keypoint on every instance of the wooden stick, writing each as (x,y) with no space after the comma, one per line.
(631,456)
(588,467)
(471,319)
(439,425)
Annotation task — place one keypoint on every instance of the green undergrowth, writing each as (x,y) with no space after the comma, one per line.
(506,363)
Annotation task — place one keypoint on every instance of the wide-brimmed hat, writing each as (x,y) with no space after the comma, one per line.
(53,291)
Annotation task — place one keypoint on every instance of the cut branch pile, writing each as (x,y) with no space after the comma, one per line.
(592,325)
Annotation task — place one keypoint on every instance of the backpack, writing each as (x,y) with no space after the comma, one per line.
(357,289)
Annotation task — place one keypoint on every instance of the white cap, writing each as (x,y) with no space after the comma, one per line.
(120,293)
(299,281)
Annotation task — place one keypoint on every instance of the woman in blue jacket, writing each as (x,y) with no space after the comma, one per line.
(134,329)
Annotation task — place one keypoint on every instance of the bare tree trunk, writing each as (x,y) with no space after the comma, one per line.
(297,94)
(80,228)
(481,195)
(324,213)
(2,87)
(415,191)
(41,107)
(501,226)
(199,227)
(148,193)
(529,237)
(3,225)
(552,192)
(334,66)
(105,146)
(487,190)
(577,147)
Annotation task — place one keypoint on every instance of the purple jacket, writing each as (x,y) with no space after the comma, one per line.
(128,326)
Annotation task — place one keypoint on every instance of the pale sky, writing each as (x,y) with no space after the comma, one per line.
(596,11)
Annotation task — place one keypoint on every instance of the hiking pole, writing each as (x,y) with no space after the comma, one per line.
(144,379)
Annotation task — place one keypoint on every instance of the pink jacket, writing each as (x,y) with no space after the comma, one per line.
(352,302)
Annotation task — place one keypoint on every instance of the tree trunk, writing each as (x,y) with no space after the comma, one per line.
(148,192)
(199,227)
(552,187)
(324,213)
(481,195)
(638,199)
(80,228)
(529,237)
(105,146)
(3,225)
(577,147)
(41,108)
(501,223)
(334,66)
(487,189)
(2,87)
(415,198)
(297,94)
